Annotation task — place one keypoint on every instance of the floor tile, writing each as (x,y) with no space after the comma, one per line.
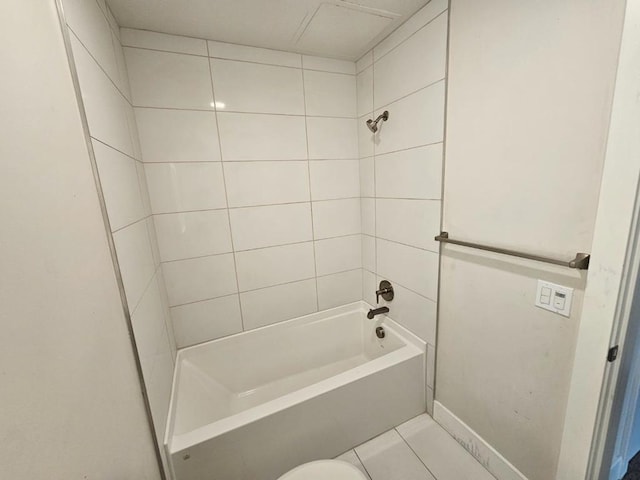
(388,457)
(445,457)
(352,458)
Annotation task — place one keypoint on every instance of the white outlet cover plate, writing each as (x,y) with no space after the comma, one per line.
(555,298)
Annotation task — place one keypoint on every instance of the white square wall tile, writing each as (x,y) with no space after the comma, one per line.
(144,189)
(412,222)
(262,137)
(266,267)
(338,254)
(266,183)
(258,227)
(332,138)
(419,61)
(414,173)
(177,135)
(203,321)
(414,312)
(328,64)
(122,81)
(199,279)
(275,304)
(369,287)
(367,177)
(135,259)
(408,28)
(368,252)
(168,80)
(333,218)
(161,41)
(193,234)
(153,238)
(119,180)
(158,377)
(148,321)
(366,139)
(410,267)
(255,88)
(368,212)
(182,187)
(89,23)
(132,124)
(333,179)
(167,313)
(339,289)
(253,54)
(414,121)
(330,94)
(388,457)
(104,104)
(365,92)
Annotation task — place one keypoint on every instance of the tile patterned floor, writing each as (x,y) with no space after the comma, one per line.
(419,449)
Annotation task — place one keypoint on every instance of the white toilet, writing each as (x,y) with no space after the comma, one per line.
(324,470)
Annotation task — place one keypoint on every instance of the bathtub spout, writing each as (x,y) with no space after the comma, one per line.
(377,311)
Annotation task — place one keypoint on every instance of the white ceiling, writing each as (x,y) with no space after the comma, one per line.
(330,28)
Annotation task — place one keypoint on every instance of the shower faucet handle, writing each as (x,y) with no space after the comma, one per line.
(385,291)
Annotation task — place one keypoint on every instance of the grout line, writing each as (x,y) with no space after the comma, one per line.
(119,229)
(388,105)
(171,52)
(416,199)
(246,112)
(224,183)
(375,180)
(313,232)
(236,294)
(350,159)
(416,147)
(296,203)
(214,57)
(204,210)
(260,248)
(240,292)
(414,452)
(406,39)
(117,150)
(409,245)
(263,205)
(362,463)
(117,87)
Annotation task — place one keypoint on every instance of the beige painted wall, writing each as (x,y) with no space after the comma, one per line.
(605,295)
(71,400)
(530,89)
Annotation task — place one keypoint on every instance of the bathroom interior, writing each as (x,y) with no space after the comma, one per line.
(300,239)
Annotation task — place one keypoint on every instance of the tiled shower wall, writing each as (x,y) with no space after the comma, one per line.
(105,91)
(251,158)
(401,169)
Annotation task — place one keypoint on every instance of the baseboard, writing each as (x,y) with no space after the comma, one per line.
(475,445)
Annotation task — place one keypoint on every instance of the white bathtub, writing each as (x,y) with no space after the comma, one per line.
(254,405)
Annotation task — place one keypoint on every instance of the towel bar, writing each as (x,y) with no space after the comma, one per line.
(580,262)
